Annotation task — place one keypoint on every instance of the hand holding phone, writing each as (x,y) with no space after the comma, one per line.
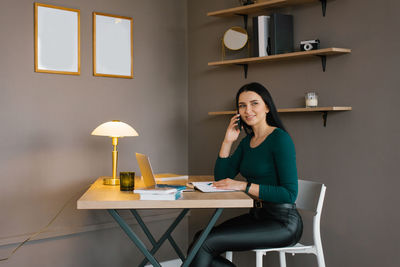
(231,135)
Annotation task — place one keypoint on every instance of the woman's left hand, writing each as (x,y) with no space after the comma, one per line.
(228,183)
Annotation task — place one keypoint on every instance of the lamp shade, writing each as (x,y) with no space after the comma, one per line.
(115,129)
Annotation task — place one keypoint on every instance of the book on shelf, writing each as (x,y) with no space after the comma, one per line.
(261,38)
(254,48)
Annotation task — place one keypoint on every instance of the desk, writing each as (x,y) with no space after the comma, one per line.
(110,198)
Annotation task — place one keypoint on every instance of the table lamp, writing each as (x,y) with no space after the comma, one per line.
(114,129)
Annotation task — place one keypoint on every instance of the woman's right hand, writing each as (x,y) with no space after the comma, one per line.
(232,132)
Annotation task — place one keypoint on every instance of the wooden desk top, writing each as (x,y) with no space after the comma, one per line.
(100,196)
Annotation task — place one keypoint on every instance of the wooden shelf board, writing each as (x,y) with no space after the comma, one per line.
(287,110)
(293,55)
(229,112)
(253,8)
(317,109)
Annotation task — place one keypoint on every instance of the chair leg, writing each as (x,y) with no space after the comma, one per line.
(320,258)
(259,259)
(319,252)
(282,259)
(229,255)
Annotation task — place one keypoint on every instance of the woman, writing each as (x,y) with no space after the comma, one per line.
(266,158)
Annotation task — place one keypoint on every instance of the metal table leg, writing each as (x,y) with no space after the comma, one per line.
(134,237)
(203,237)
(165,236)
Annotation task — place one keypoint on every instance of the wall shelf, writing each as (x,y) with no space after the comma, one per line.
(258,7)
(247,10)
(324,111)
(322,53)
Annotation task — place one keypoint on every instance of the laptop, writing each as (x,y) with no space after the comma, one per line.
(150,182)
(148,175)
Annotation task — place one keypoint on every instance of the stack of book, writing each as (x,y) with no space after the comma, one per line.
(160,192)
(272,35)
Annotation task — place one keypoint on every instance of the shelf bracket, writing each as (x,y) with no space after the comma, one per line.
(323,5)
(325,117)
(245,69)
(323,62)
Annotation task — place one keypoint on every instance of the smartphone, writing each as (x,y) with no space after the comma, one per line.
(239,124)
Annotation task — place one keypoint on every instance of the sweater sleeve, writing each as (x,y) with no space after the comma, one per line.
(284,155)
(228,167)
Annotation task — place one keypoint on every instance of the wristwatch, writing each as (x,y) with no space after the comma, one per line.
(247,187)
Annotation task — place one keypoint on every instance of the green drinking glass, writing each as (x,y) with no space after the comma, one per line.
(127,181)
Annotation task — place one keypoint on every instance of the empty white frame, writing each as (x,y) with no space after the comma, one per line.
(112,46)
(57,39)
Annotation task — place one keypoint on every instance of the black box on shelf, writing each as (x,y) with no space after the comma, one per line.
(281,33)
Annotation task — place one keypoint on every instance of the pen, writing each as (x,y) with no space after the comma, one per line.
(209,183)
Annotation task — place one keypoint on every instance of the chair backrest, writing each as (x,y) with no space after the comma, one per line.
(310,196)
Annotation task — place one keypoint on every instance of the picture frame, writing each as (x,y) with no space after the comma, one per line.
(112,46)
(57,39)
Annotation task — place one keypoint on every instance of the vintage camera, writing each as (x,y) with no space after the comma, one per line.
(309,45)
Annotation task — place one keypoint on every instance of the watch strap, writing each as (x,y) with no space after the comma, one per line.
(247,187)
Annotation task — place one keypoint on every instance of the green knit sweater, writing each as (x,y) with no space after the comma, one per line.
(272,165)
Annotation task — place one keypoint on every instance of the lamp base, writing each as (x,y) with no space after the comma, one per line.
(110,181)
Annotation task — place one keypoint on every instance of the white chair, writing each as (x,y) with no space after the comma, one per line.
(310,198)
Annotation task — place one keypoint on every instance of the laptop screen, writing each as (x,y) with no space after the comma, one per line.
(145,169)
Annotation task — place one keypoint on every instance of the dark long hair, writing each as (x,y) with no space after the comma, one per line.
(272,116)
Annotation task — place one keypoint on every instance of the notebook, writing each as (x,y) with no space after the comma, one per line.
(175,196)
(207,187)
(156,191)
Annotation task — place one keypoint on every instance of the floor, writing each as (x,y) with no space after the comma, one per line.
(171,263)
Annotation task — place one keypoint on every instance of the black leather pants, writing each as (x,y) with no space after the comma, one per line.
(273,225)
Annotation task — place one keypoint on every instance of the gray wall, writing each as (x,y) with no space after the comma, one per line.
(355,155)
(47,154)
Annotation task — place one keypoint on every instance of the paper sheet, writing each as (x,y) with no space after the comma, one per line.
(207,187)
